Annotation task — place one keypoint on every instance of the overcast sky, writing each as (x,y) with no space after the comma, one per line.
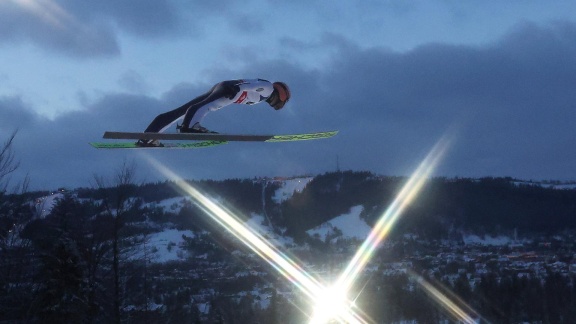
(497,77)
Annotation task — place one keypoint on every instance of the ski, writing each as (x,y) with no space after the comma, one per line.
(218,137)
(171,145)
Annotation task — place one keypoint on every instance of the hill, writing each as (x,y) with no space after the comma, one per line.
(151,252)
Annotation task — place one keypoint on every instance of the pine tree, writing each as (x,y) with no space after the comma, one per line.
(62,289)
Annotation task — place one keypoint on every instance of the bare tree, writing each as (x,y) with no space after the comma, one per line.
(8,164)
(12,217)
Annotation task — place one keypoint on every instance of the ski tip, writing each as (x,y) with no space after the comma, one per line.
(302,137)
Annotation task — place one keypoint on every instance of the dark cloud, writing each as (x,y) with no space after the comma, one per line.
(14,112)
(89,28)
(56,152)
(133,81)
(513,100)
(51,26)
(511,103)
(140,17)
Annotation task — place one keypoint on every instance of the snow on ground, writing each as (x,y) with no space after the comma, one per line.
(203,308)
(547,185)
(351,225)
(260,225)
(487,240)
(44,205)
(171,204)
(561,186)
(163,246)
(289,187)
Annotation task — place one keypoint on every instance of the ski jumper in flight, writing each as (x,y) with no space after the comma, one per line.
(248,92)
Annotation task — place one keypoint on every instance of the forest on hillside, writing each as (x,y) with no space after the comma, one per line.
(486,204)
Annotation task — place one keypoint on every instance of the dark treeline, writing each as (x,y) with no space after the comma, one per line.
(487,204)
(79,263)
(505,299)
(244,195)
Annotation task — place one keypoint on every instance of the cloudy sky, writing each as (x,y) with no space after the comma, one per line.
(497,77)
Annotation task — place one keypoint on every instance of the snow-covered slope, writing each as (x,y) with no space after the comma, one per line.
(173,205)
(289,187)
(261,226)
(45,204)
(351,226)
(163,246)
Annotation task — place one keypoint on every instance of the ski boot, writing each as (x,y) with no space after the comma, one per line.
(196,128)
(149,143)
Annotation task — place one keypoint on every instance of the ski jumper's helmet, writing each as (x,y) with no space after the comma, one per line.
(282,95)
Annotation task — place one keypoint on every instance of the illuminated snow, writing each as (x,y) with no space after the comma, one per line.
(289,187)
(350,224)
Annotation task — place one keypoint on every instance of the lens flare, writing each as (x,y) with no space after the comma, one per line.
(340,306)
(47,10)
(259,245)
(330,303)
(454,306)
(391,215)
(246,235)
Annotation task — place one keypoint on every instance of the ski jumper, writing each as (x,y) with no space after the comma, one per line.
(248,92)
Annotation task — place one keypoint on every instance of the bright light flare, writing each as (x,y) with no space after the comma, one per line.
(455,306)
(330,303)
(259,245)
(47,10)
(384,224)
(341,308)
(246,235)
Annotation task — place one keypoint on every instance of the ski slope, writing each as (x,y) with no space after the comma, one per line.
(350,224)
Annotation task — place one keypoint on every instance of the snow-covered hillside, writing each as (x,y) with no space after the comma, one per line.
(166,245)
(44,205)
(163,246)
(261,226)
(193,263)
(173,205)
(350,225)
(289,187)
